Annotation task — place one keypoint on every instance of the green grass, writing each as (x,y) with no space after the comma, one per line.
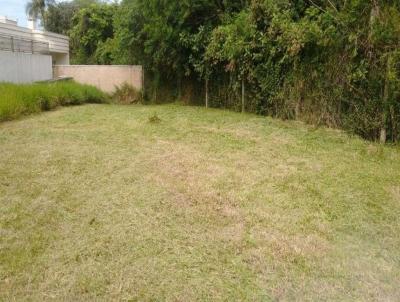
(17,100)
(98,203)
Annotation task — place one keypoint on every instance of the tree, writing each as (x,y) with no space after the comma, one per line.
(157,34)
(59,15)
(36,9)
(92,30)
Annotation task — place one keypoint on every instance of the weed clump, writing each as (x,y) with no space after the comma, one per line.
(154,119)
(126,94)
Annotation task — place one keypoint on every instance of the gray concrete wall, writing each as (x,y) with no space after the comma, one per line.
(17,67)
(104,77)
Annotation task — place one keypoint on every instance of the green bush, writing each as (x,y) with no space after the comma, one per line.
(17,100)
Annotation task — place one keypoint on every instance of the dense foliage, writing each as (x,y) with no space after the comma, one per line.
(58,16)
(92,34)
(88,22)
(17,100)
(332,62)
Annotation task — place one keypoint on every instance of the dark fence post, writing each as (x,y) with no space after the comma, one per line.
(207,93)
(243,97)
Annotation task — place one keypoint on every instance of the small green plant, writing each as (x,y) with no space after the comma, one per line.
(154,119)
(126,94)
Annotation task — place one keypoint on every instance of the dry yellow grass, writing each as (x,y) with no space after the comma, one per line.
(97,203)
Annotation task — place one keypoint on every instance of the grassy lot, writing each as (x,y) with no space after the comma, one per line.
(98,203)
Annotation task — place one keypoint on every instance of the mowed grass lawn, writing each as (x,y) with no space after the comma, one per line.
(98,203)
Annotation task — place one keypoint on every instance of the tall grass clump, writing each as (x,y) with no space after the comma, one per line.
(17,100)
(126,94)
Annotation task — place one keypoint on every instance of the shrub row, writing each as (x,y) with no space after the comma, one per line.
(17,100)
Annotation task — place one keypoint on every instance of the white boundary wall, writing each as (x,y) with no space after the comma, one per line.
(58,44)
(104,77)
(17,67)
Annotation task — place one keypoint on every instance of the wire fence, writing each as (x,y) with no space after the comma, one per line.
(10,43)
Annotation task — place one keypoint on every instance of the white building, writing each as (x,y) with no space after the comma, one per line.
(28,54)
(31,55)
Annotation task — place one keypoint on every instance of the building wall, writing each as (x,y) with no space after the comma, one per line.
(58,44)
(17,67)
(12,29)
(104,77)
(60,58)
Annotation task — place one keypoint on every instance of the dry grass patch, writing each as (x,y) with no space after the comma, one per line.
(96,203)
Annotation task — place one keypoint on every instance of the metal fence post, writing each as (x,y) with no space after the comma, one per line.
(243,97)
(207,93)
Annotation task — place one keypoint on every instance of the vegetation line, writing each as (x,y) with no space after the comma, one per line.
(335,63)
(17,100)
